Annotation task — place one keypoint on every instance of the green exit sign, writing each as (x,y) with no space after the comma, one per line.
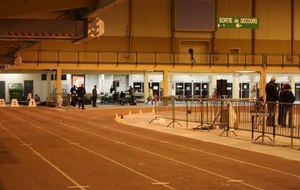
(237,22)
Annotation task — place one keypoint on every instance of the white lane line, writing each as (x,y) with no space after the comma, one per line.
(46,160)
(159,155)
(160,183)
(25,144)
(164,156)
(119,142)
(102,156)
(126,167)
(73,143)
(77,187)
(201,151)
(235,180)
(164,142)
(143,150)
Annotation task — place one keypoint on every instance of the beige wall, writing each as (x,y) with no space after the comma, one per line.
(148,27)
(297,20)
(273,46)
(275,19)
(224,45)
(151,18)
(151,44)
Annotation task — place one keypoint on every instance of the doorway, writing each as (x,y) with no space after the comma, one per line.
(188,90)
(155,87)
(2,90)
(244,90)
(179,89)
(28,87)
(234,57)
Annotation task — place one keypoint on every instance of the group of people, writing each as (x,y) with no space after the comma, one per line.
(285,97)
(36,98)
(77,96)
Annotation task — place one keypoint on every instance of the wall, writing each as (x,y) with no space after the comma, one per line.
(143,25)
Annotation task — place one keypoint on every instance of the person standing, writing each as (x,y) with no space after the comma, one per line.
(81,92)
(29,96)
(286,99)
(74,97)
(131,92)
(271,99)
(150,96)
(73,90)
(94,96)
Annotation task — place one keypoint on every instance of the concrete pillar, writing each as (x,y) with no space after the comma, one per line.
(252,87)
(146,87)
(213,84)
(263,82)
(235,85)
(292,83)
(48,85)
(165,83)
(58,81)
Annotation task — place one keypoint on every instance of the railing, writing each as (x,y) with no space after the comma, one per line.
(159,58)
(231,115)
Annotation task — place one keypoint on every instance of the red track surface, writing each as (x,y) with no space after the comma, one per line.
(48,149)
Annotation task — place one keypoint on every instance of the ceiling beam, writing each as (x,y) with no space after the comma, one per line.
(42,29)
(20,8)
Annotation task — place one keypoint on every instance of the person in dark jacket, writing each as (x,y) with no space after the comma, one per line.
(81,92)
(74,97)
(286,99)
(94,96)
(271,99)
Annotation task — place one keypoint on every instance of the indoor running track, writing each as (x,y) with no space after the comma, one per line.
(50,149)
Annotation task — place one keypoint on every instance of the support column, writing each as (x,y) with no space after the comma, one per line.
(292,83)
(213,84)
(146,86)
(48,86)
(165,83)
(262,84)
(58,82)
(235,86)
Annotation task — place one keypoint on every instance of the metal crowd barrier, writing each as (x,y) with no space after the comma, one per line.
(230,115)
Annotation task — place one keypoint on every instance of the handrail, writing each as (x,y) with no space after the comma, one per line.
(159,58)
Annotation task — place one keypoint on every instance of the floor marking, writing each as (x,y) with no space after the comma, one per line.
(88,150)
(47,161)
(178,146)
(235,180)
(143,150)
(155,154)
(73,143)
(25,144)
(160,183)
(126,167)
(77,187)
(197,150)
(120,142)
(164,142)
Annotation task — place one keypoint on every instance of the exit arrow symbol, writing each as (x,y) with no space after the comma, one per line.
(238,25)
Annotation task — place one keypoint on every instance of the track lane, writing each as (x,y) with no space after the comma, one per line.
(140,140)
(217,147)
(110,166)
(155,182)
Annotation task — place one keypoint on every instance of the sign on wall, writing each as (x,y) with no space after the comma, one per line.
(237,22)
